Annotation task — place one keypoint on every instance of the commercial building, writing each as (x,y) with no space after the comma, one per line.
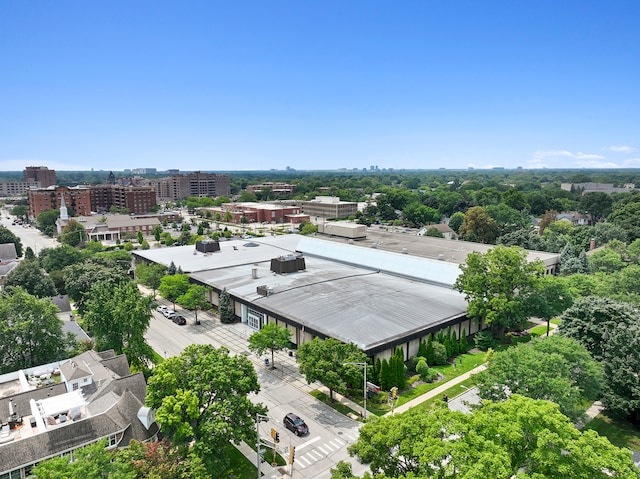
(278,189)
(329,207)
(54,409)
(259,212)
(377,300)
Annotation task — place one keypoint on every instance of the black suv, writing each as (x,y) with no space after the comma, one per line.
(295,424)
(179,320)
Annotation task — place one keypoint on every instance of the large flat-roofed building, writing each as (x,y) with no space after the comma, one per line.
(259,212)
(56,408)
(76,198)
(377,300)
(329,207)
(278,189)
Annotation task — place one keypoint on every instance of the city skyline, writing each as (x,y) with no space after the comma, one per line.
(216,86)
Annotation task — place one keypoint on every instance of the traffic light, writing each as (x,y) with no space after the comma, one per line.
(394,392)
(292,454)
(275,435)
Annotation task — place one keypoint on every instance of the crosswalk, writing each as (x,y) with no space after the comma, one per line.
(310,452)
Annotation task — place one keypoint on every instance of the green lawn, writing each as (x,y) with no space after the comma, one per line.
(449,371)
(620,433)
(540,330)
(452,392)
(241,467)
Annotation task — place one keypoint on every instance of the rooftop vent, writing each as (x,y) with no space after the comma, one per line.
(263,290)
(404,251)
(441,257)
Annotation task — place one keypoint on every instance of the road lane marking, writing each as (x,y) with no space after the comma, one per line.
(310,441)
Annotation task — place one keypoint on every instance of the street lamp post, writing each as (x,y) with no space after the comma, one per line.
(259,418)
(364,388)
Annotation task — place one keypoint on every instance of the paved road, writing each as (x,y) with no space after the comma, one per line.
(283,390)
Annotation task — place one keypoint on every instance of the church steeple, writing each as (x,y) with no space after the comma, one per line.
(64,215)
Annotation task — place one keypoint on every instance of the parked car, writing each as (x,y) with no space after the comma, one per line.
(179,320)
(295,424)
(162,308)
(169,314)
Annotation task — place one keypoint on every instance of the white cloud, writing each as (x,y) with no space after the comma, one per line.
(632,162)
(622,149)
(568,159)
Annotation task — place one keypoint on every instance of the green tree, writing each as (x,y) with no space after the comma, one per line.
(94,460)
(79,278)
(151,275)
(194,298)
(551,296)
(324,361)
(271,337)
(456,221)
(173,286)
(202,398)
(30,276)
(30,331)
(519,437)
(140,237)
(557,369)
(478,226)
(308,228)
(6,236)
(596,204)
(53,259)
(46,221)
(225,307)
(118,318)
(591,318)
(606,261)
(498,286)
(21,211)
(621,363)
(72,234)
(156,232)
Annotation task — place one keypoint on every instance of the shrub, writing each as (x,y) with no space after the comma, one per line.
(422,368)
(413,362)
(439,354)
(483,340)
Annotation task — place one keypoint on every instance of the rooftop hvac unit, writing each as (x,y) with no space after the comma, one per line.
(207,246)
(263,290)
(288,264)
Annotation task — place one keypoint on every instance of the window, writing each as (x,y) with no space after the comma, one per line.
(112,440)
(75,386)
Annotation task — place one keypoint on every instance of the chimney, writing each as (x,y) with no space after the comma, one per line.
(10,407)
(592,244)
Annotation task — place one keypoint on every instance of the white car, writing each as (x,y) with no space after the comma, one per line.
(169,314)
(162,308)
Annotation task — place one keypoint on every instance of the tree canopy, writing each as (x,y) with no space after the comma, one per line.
(519,437)
(30,331)
(202,396)
(325,361)
(271,337)
(557,369)
(7,236)
(117,317)
(498,286)
(30,276)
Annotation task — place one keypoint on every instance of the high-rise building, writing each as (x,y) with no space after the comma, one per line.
(137,199)
(77,199)
(41,175)
(197,184)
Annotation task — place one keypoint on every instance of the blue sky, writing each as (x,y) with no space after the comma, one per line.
(248,85)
